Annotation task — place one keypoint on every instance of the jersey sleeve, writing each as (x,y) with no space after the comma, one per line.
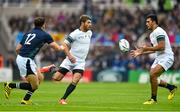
(49,39)
(70,38)
(160,36)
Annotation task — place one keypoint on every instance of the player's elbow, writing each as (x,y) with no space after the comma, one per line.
(17,51)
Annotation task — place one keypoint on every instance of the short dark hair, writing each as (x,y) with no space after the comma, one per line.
(153,17)
(39,21)
(84,18)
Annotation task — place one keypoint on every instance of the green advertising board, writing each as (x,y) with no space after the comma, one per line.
(141,76)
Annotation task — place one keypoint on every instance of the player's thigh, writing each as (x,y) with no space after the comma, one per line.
(60,74)
(157,70)
(77,75)
(57,76)
(63,69)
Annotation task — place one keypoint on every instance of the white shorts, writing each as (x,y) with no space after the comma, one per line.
(71,66)
(166,62)
(26,66)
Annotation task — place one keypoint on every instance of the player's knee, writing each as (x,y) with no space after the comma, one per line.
(57,77)
(74,83)
(76,79)
(41,78)
(35,86)
(153,73)
(152,76)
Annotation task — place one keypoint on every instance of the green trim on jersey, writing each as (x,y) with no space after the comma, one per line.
(160,38)
(69,39)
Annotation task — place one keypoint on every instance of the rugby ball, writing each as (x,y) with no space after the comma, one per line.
(124,45)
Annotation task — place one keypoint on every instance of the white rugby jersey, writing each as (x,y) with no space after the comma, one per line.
(79,42)
(159,33)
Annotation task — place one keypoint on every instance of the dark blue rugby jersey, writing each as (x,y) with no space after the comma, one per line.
(33,41)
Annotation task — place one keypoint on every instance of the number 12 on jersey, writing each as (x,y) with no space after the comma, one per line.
(29,38)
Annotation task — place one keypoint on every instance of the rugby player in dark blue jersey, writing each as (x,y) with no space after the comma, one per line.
(27,50)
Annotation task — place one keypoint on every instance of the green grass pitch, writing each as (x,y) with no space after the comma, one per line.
(91,97)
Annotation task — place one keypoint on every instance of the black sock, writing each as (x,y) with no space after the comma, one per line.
(154,97)
(12,85)
(168,86)
(69,90)
(28,95)
(25,86)
(22,85)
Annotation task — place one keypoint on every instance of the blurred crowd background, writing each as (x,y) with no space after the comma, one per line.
(112,20)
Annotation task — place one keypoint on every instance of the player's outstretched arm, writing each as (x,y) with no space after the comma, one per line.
(56,46)
(64,47)
(159,47)
(135,53)
(139,51)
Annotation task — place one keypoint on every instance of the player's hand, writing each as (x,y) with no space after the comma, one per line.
(72,59)
(137,52)
(61,47)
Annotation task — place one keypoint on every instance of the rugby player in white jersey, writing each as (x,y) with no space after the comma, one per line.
(76,47)
(163,61)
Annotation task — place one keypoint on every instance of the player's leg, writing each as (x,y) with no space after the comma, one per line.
(62,70)
(30,85)
(172,88)
(77,74)
(34,79)
(154,74)
(58,76)
(34,83)
(21,62)
(166,63)
(166,85)
(28,67)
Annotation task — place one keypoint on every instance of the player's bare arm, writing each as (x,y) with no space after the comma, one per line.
(159,47)
(56,46)
(18,47)
(148,50)
(68,54)
(139,51)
